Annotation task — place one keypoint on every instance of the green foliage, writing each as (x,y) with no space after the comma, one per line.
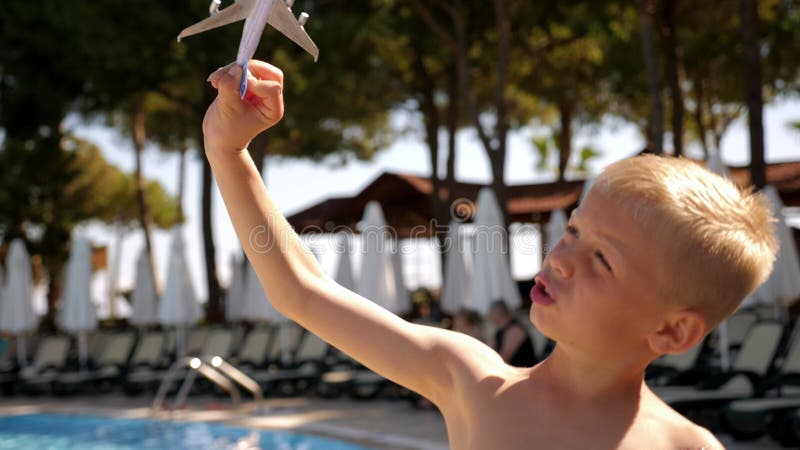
(546,148)
(109,194)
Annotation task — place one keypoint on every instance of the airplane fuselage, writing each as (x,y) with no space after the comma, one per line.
(253,28)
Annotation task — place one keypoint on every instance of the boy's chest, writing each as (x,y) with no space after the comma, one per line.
(517,422)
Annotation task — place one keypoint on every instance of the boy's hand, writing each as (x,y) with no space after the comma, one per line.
(231,122)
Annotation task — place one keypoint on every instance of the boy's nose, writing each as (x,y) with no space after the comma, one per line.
(558,260)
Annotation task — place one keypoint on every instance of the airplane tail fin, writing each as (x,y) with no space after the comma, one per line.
(243,85)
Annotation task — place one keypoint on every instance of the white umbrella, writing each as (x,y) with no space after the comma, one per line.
(456,288)
(234,298)
(144,297)
(555,228)
(78,313)
(492,276)
(16,310)
(255,305)
(377,275)
(344,267)
(178,306)
(402,296)
(783,285)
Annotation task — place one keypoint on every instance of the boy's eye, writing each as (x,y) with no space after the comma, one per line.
(572,230)
(602,259)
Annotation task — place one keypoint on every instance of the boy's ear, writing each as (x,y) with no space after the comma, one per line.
(680,332)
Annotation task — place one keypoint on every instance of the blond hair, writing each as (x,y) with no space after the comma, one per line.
(718,241)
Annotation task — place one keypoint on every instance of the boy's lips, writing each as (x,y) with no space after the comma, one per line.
(540,294)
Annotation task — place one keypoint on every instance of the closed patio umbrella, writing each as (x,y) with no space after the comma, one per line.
(491,279)
(343,274)
(783,285)
(234,298)
(16,310)
(377,280)
(144,299)
(255,305)
(78,315)
(178,307)
(456,287)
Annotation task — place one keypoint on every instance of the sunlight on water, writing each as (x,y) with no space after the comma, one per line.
(56,432)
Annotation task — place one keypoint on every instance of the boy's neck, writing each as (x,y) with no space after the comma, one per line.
(584,377)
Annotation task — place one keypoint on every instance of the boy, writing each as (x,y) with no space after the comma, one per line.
(658,253)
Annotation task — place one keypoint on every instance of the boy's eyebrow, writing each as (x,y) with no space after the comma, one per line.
(614,244)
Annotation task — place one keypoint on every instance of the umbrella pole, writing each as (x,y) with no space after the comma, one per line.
(180,345)
(22,351)
(83,351)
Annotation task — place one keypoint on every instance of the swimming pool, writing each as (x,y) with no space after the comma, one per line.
(51,431)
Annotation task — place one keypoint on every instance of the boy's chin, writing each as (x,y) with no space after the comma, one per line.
(544,326)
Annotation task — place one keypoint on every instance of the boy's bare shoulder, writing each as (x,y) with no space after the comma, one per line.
(680,431)
(466,353)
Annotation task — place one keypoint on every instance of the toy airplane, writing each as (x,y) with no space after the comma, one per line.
(256,14)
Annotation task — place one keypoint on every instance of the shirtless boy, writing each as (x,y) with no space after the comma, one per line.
(657,255)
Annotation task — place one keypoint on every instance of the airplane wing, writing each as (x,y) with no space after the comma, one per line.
(234,13)
(282,19)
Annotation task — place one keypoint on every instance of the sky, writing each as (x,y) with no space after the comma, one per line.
(291,190)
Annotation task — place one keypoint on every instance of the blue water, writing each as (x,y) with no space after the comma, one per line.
(59,432)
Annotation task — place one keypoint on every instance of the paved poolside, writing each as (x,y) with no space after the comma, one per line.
(379,424)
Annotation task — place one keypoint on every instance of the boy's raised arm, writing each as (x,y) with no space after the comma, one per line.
(414,356)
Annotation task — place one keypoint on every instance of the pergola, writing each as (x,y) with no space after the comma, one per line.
(405,200)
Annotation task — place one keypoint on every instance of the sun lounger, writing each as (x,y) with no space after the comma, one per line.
(307,365)
(738,326)
(785,428)
(48,363)
(745,380)
(348,376)
(106,368)
(147,363)
(254,353)
(750,418)
(219,342)
(676,369)
(196,341)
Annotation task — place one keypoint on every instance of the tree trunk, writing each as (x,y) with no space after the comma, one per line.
(699,116)
(450,176)
(655,138)
(215,313)
(670,45)
(139,138)
(430,114)
(752,87)
(258,151)
(452,131)
(566,111)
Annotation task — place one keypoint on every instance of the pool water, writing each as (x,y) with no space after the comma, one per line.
(61,432)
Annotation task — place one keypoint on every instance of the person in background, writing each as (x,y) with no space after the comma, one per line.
(470,323)
(511,340)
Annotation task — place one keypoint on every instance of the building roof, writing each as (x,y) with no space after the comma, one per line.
(405,200)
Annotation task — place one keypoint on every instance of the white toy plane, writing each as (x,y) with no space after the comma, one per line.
(256,14)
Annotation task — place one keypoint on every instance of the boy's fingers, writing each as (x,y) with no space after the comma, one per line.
(219,73)
(265,71)
(228,82)
(264,88)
